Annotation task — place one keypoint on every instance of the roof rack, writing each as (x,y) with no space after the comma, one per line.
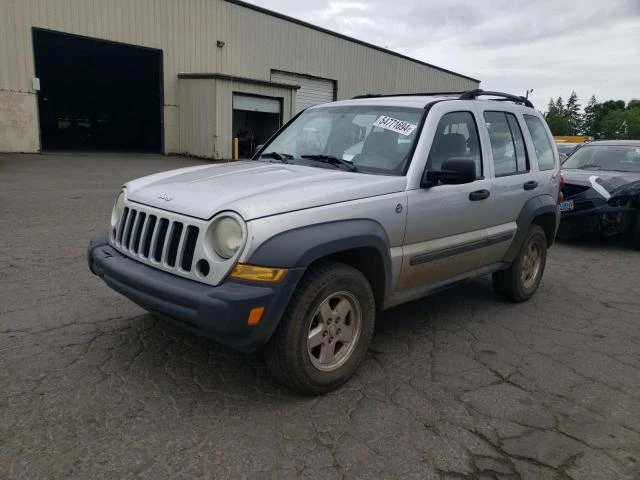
(505,97)
(424,94)
(467,95)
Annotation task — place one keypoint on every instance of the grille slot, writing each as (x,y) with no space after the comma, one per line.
(189,248)
(156,239)
(148,235)
(128,228)
(123,222)
(160,241)
(137,232)
(174,243)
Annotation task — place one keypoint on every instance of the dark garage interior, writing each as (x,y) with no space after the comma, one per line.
(253,129)
(98,95)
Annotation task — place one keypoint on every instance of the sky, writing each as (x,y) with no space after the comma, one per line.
(550,46)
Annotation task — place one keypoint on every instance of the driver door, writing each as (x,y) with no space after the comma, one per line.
(447,224)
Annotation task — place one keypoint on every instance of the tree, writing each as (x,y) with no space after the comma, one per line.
(556,118)
(572,112)
(602,111)
(635,103)
(558,124)
(621,124)
(559,106)
(610,119)
(590,115)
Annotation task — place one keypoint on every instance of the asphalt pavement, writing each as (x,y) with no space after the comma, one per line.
(458,385)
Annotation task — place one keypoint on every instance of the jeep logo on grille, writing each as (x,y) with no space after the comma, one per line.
(165,197)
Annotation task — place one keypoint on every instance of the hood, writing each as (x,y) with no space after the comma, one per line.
(255,189)
(608,184)
(615,179)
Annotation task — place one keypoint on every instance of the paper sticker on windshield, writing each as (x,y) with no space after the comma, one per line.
(403,128)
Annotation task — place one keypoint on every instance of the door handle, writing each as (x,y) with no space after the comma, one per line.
(479,195)
(530,185)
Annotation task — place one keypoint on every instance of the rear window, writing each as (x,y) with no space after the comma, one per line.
(507,145)
(541,142)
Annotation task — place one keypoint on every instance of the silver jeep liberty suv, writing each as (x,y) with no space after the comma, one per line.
(351,208)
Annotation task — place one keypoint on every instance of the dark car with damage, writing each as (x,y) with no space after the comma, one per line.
(602,190)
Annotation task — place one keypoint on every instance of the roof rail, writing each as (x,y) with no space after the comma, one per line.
(423,94)
(473,94)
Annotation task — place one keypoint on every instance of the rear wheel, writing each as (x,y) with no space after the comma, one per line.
(520,281)
(325,331)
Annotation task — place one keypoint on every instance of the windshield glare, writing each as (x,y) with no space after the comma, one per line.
(375,139)
(622,158)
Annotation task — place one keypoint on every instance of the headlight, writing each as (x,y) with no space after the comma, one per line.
(226,236)
(118,208)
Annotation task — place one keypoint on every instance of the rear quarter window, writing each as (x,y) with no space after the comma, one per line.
(541,142)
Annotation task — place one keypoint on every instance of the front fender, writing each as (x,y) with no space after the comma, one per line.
(302,246)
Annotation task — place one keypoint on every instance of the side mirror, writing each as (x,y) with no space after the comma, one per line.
(455,171)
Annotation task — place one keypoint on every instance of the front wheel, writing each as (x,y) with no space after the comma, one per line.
(325,331)
(520,281)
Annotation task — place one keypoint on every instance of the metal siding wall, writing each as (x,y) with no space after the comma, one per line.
(197,117)
(186,31)
(357,68)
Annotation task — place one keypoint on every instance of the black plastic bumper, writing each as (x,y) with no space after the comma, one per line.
(218,312)
(574,224)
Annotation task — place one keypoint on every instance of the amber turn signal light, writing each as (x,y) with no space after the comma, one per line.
(253,273)
(254,316)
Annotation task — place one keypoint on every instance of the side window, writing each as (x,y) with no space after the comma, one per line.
(507,144)
(541,142)
(456,137)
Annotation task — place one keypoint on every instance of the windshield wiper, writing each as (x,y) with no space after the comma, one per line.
(331,160)
(277,156)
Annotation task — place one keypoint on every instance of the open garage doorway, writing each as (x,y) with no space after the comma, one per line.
(98,95)
(255,119)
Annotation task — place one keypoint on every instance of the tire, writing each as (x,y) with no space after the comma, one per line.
(520,281)
(635,232)
(301,359)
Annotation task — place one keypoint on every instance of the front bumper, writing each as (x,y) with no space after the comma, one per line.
(603,218)
(217,312)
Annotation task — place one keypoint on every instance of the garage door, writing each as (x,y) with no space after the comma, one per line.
(256,104)
(98,95)
(313,90)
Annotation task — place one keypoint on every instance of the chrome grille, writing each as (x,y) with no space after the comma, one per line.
(150,236)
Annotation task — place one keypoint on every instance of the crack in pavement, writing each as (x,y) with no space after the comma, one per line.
(457,385)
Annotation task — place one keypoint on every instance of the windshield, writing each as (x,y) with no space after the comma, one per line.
(622,158)
(374,139)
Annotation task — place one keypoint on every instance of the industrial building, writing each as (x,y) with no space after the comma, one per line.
(178,76)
